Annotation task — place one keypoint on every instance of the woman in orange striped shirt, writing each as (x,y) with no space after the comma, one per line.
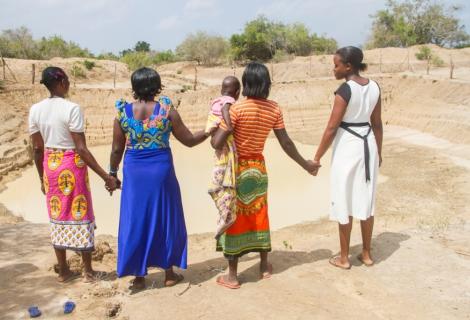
(252,121)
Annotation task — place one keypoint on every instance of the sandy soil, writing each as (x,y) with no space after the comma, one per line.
(422,234)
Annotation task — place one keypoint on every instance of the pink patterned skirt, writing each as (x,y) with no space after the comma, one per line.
(68,200)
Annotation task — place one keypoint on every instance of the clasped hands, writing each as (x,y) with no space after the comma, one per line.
(112,183)
(312,167)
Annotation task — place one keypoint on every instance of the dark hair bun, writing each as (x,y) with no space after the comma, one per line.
(52,75)
(353,56)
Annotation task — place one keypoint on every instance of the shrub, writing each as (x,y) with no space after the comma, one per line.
(77,71)
(424,53)
(89,64)
(136,60)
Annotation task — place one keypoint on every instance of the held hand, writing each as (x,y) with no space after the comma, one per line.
(312,167)
(112,183)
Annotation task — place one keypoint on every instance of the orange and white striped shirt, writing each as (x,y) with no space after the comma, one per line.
(252,120)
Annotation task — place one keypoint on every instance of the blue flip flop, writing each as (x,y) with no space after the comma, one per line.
(69,306)
(34,312)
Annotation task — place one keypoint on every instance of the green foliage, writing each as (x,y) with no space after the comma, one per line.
(281,56)
(262,39)
(163,57)
(323,45)
(77,71)
(142,46)
(203,48)
(463,45)
(19,43)
(89,64)
(413,22)
(136,60)
(108,56)
(186,87)
(424,53)
(437,61)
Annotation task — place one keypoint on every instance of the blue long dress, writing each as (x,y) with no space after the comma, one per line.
(152,230)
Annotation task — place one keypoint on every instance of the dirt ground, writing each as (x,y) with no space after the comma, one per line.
(421,238)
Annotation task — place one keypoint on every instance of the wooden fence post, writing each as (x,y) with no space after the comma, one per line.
(451,67)
(33,73)
(195,78)
(380,60)
(3,67)
(114,79)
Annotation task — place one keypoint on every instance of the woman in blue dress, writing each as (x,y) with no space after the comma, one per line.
(152,231)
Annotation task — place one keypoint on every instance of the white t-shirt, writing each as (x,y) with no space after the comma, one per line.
(55,118)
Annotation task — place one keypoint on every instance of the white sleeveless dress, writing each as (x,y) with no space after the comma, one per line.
(351,193)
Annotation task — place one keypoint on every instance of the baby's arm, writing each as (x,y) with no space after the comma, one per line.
(226,116)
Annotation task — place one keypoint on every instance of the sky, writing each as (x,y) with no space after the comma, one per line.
(114,25)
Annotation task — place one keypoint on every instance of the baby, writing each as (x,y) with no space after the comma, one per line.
(223,187)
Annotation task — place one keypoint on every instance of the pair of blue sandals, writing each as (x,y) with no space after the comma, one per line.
(34,311)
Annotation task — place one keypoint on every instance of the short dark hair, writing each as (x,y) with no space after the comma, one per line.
(352,55)
(51,76)
(256,80)
(146,84)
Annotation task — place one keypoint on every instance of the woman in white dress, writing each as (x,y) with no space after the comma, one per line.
(355,129)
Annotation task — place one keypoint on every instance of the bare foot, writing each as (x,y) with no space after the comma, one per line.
(337,261)
(172,278)
(228,282)
(265,271)
(366,259)
(67,276)
(93,276)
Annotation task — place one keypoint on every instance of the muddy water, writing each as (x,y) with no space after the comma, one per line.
(294,196)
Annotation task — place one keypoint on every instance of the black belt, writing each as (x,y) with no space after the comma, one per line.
(345,126)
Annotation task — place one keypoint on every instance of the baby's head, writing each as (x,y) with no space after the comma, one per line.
(231,87)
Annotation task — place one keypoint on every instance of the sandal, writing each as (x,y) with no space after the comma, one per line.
(220,281)
(173,282)
(334,262)
(137,286)
(359,257)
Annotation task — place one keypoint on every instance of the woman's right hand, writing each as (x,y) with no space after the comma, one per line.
(112,183)
(312,167)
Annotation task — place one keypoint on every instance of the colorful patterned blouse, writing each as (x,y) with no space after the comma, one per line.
(151,133)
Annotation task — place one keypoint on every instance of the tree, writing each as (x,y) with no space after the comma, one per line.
(262,39)
(136,60)
(299,41)
(163,57)
(203,48)
(18,43)
(416,22)
(55,46)
(142,46)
